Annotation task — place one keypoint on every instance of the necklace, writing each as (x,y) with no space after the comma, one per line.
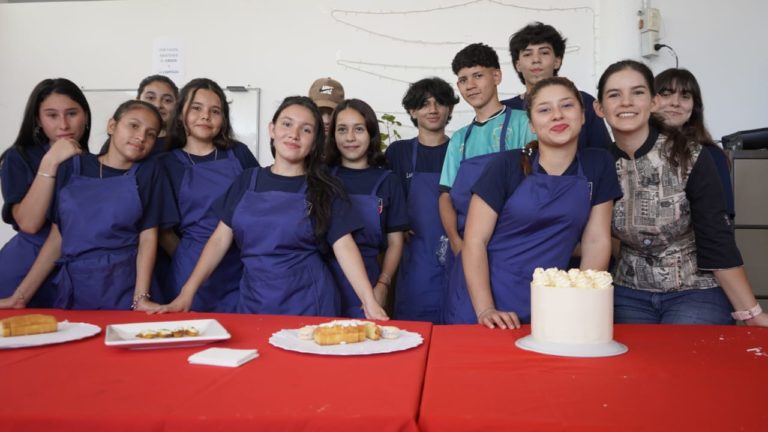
(215,155)
(101,168)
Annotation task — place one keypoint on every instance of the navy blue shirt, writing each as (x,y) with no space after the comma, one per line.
(504,174)
(394,215)
(344,219)
(151,182)
(428,160)
(16,176)
(594,133)
(175,168)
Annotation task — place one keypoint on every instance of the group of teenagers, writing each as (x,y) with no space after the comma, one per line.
(173,214)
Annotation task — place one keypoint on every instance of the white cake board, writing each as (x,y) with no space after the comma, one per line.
(609,349)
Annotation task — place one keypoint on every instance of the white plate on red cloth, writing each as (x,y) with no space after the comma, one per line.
(288,339)
(124,335)
(67,332)
(609,349)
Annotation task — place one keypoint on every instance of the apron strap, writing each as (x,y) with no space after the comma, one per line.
(76,165)
(254,176)
(379,181)
(414,151)
(134,168)
(181,157)
(503,136)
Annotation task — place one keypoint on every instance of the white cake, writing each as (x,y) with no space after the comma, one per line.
(572,308)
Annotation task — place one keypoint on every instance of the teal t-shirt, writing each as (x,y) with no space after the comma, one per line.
(484,139)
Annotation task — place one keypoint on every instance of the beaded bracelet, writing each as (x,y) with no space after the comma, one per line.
(137,299)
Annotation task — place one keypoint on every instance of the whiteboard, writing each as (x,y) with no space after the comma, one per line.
(244,111)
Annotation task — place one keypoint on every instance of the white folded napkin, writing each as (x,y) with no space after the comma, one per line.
(227,357)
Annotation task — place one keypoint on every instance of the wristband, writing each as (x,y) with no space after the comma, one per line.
(46,175)
(744,315)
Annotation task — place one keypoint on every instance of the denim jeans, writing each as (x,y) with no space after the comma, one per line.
(695,306)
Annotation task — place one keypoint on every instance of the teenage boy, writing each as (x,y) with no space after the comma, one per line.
(326,93)
(417,162)
(495,128)
(537,52)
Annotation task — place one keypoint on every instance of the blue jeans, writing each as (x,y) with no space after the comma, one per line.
(695,306)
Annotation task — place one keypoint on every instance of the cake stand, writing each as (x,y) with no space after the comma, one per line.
(609,349)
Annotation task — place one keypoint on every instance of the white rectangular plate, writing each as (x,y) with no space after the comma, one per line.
(124,335)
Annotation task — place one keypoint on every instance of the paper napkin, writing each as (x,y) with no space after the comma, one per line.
(227,357)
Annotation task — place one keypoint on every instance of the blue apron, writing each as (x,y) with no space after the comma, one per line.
(369,240)
(16,258)
(18,255)
(461,193)
(539,226)
(283,272)
(422,278)
(97,219)
(201,185)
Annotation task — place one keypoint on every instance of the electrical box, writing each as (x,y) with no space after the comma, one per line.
(649,24)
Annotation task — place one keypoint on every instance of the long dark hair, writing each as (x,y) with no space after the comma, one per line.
(322,187)
(679,154)
(683,81)
(177,131)
(30,134)
(131,105)
(374,154)
(525,160)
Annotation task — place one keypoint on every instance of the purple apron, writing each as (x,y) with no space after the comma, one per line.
(422,278)
(461,193)
(369,240)
(16,258)
(98,219)
(18,255)
(283,272)
(539,226)
(201,185)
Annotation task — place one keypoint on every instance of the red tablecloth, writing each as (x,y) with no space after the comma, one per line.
(674,378)
(85,385)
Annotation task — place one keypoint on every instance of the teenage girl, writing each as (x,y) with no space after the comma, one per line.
(679,102)
(283,218)
(105,217)
(160,91)
(55,127)
(531,207)
(354,153)
(203,161)
(678,261)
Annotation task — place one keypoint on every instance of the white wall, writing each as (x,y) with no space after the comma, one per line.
(282,46)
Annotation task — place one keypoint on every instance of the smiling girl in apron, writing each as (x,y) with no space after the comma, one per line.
(377,196)
(105,220)
(55,127)
(531,207)
(283,218)
(202,165)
